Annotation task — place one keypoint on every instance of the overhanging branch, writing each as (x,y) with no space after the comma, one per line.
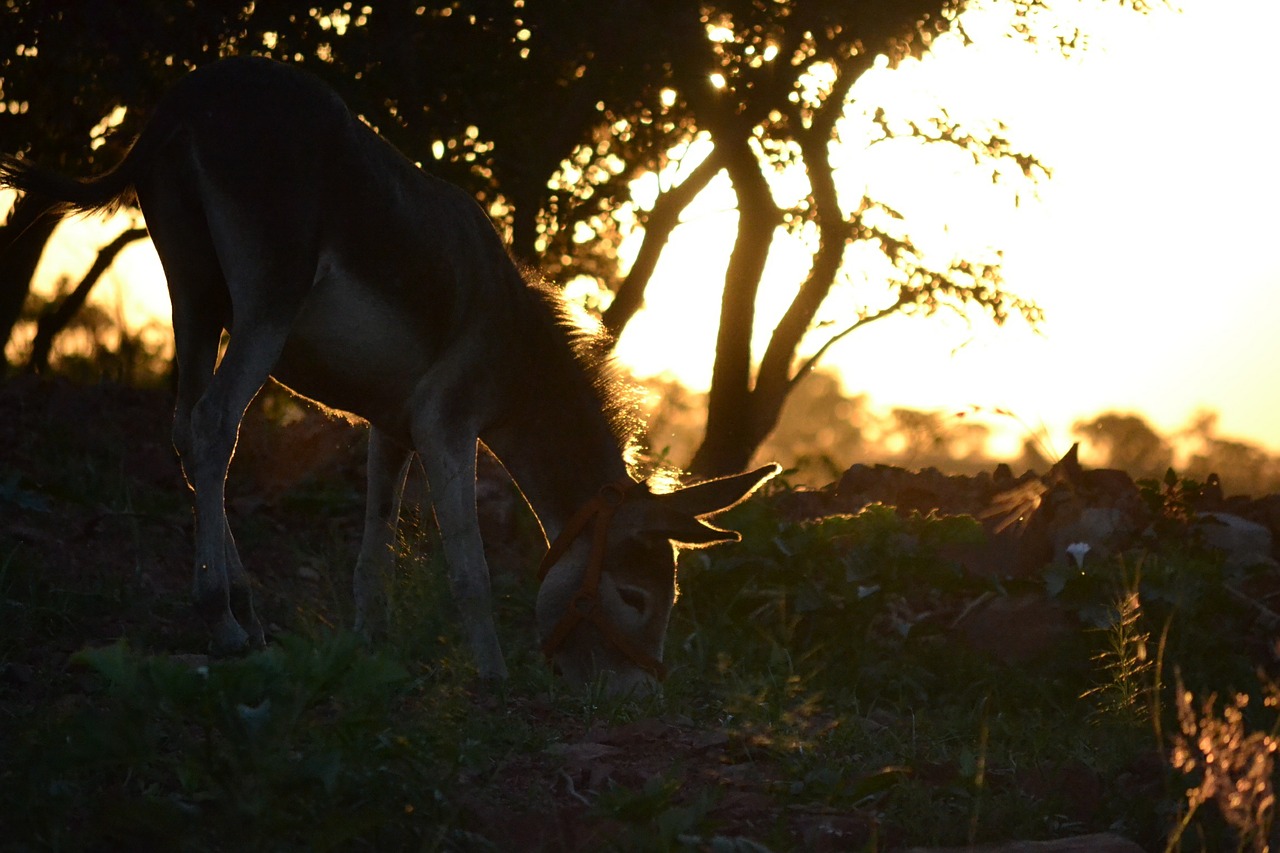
(55,320)
(659,224)
(812,361)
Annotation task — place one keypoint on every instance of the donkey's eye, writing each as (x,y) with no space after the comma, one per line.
(633,598)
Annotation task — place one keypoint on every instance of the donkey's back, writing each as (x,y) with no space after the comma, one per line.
(257,182)
(334,264)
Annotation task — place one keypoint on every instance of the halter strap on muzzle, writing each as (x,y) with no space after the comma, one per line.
(585,603)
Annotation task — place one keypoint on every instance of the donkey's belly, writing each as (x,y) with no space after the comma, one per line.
(354,349)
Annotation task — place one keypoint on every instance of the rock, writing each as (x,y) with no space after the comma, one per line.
(1103,529)
(832,833)
(582,753)
(803,504)
(1266,511)
(1245,543)
(1016,628)
(19,674)
(1100,842)
(1073,789)
(1030,520)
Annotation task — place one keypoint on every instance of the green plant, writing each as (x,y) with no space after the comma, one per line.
(814,665)
(1232,767)
(1130,685)
(815,599)
(655,816)
(287,748)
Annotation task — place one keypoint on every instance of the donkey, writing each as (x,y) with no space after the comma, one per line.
(362,283)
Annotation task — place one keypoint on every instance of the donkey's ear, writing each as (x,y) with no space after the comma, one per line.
(715,496)
(690,532)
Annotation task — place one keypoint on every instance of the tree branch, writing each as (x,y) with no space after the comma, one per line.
(812,361)
(729,417)
(659,224)
(53,321)
(23,238)
(774,379)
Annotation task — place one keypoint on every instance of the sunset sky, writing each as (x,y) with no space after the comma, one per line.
(1152,249)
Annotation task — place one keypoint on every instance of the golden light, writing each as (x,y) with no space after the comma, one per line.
(1127,247)
(1150,249)
(98,134)
(719,34)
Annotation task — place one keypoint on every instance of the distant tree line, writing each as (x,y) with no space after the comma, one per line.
(1126,441)
(824,430)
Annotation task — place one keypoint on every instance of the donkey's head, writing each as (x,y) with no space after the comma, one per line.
(609,577)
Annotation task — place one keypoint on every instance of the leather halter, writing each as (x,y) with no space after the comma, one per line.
(585,604)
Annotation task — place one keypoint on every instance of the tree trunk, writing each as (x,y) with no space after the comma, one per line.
(747,415)
(54,320)
(22,241)
(775,379)
(731,438)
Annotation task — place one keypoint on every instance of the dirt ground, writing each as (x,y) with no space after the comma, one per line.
(76,465)
(91,491)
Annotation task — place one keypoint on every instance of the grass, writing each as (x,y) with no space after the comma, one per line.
(816,696)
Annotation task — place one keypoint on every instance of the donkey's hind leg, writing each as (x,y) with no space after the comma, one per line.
(388,466)
(197,333)
(201,307)
(220,578)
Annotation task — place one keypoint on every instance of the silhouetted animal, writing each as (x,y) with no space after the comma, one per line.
(359,281)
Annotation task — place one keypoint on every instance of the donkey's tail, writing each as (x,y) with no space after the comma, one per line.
(64,194)
(106,192)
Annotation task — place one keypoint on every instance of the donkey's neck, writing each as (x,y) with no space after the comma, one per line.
(560,457)
(557,438)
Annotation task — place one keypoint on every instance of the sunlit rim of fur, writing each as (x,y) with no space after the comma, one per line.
(618,395)
(591,346)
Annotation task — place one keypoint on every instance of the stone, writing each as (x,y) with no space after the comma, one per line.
(1244,543)
(1015,628)
(1100,842)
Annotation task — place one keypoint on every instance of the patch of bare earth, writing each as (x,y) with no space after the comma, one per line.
(91,493)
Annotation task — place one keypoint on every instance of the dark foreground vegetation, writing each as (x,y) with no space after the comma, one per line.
(849,677)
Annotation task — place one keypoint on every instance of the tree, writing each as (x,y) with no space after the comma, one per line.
(1130,443)
(54,320)
(525,130)
(65,73)
(570,103)
(770,84)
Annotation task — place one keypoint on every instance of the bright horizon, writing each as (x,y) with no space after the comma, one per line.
(1150,249)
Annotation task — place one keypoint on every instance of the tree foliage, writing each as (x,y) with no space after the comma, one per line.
(547,112)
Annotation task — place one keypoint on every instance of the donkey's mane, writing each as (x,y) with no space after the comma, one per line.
(591,346)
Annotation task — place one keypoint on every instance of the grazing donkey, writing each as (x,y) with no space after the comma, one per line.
(361,282)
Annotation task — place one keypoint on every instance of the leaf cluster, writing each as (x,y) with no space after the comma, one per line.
(290,748)
(825,597)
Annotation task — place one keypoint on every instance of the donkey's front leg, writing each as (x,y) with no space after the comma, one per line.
(451,477)
(388,466)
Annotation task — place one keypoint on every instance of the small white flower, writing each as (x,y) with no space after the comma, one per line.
(1077,550)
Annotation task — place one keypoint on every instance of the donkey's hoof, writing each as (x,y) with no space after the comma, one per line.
(257,639)
(228,640)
